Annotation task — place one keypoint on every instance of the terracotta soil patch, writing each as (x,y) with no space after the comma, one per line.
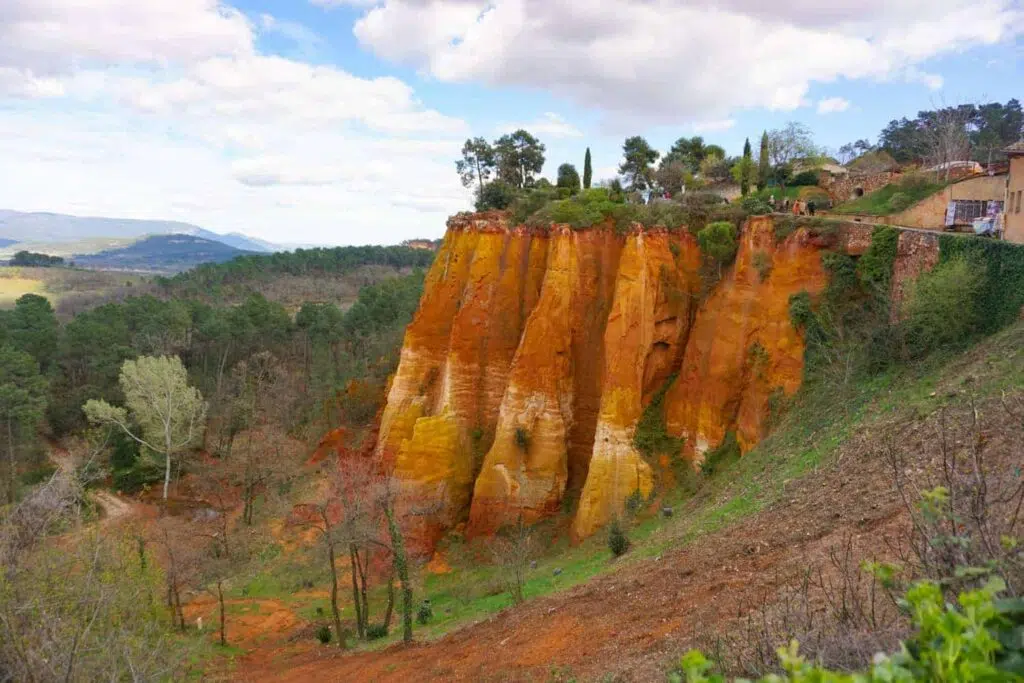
(632,624)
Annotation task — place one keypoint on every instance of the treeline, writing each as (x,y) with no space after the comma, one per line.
(977,132)
(336,363)
(504,173)
(34,260)
(318,261)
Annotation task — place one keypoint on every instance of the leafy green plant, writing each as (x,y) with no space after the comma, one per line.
(967,642)
(651,437)
(942,310)
(718,245)
(727,451)
(324,635)
(424,614)
(762,263)
(618,541)
(522,438)
(899,202)
(376,631)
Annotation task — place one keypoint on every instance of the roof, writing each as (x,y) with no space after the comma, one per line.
(1015,148)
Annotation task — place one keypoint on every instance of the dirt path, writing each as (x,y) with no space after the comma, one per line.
(114,507)
(632,624)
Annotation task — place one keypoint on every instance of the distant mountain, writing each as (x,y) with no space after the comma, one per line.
(56,228)
(4,242)
(162,254)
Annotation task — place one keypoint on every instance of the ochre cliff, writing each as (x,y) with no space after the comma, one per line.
(535,352)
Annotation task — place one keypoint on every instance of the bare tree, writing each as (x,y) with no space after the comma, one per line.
(947,139)
(513,548)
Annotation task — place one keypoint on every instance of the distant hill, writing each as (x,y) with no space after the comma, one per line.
(42,228)
(4,242)
(161,254)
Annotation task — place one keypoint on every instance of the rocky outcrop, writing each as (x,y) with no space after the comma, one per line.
(535,353)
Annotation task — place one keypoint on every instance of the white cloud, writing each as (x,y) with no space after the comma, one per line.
(832,105)
(549,125)
(675,60)
(713,126)
(167,109)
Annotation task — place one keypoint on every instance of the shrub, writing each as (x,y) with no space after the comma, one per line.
(942,310)
(971,641)
(618,542)
(324,635)
(651,437)
(805,178)
(424,614)
(762,263)
(875,267)
(522,438)
(718,244)
(899,202)
(726,451)
(755,205)
(376,631)
(634,502)
(496,195)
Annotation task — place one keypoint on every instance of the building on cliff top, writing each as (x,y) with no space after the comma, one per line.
(1013,219)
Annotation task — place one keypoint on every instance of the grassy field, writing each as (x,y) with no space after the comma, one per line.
(877,203)
(69,290)
(808,437)
(14,283)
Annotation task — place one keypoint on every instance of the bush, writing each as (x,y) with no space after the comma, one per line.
(718,244)
(618,542)
(755,206)
(899,202)
(976,640)
(762,263)
(324,635)
(522,438)
(942,309)
(424,614)
(727,451)
(376,631)
(805,178)
(496,195)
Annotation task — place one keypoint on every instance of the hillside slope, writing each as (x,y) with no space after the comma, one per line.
(161,254)
(42,228)
(748,535)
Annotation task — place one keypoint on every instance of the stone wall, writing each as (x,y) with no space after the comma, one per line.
(844,188)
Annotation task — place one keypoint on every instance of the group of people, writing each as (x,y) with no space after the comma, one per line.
(799,207)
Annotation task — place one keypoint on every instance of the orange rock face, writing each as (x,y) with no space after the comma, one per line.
(534,354)
(743,346)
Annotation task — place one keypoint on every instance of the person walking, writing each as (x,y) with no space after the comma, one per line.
(810,207)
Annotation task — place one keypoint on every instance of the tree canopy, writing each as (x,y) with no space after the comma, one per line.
(638,155)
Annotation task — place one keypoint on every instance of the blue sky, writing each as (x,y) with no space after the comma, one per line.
(339,121)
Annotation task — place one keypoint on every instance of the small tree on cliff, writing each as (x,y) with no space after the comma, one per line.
(476,164)
(169,413)
(764,164)
(588,171)
(569,178)
(638,155)
(743,170)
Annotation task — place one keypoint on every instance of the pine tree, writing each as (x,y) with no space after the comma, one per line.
(763,167)
(588,171)
(747,166)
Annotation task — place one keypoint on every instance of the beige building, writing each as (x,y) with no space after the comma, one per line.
(1013,221)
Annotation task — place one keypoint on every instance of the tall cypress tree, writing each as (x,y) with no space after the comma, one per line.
(748,166)
(763,167)
(588,172)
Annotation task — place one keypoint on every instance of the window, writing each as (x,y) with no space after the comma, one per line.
(1018,201)
(968,209)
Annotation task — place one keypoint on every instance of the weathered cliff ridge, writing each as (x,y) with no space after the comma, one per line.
(535,353)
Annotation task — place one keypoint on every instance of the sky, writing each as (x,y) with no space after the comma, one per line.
(340,121)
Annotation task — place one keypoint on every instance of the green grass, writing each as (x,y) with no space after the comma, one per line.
(877,203)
